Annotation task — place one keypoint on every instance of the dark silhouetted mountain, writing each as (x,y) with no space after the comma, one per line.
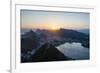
(32,39)
(66,33)
(47,52)
(58,37)
(29,41)
(75,36)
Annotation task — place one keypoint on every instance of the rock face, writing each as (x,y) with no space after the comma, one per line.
(29,41)
(48,52)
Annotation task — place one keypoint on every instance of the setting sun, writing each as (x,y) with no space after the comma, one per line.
(54,27)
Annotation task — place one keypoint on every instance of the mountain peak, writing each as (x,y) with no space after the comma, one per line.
(48,52)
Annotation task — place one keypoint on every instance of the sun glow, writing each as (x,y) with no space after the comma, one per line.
(54,27)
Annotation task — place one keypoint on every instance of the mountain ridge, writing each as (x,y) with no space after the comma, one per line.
(47,52)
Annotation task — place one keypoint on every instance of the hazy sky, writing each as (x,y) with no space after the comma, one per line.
(54,20)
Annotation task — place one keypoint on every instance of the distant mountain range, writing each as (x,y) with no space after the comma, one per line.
(57,37)
(39,38)
(85,31)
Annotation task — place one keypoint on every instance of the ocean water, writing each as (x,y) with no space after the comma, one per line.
(74,50)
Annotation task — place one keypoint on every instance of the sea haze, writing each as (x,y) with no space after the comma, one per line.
(86,31)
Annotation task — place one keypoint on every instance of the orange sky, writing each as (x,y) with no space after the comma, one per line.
(54,20)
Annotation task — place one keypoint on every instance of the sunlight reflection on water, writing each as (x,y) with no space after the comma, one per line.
(74,50)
